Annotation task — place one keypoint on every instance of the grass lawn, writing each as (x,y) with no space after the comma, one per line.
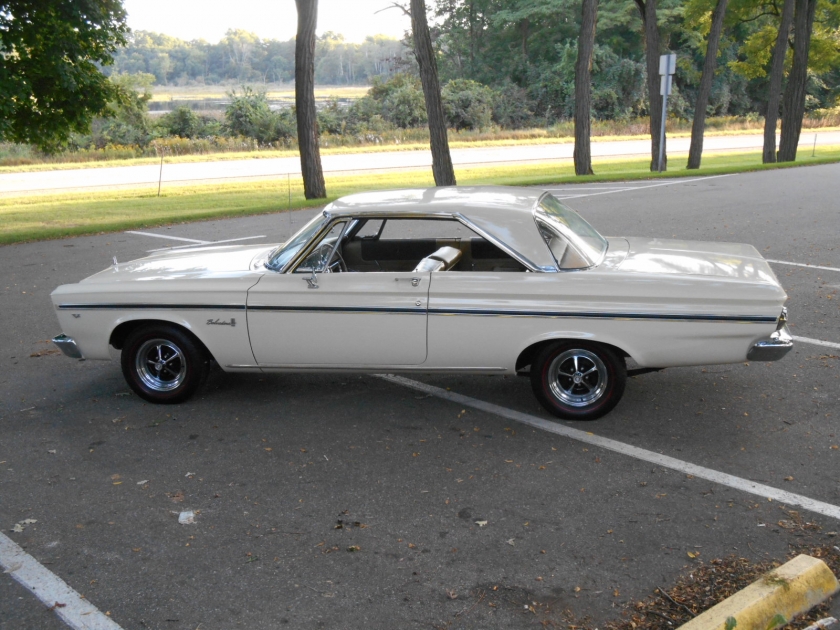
(36,218)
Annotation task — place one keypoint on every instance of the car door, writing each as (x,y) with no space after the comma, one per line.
(339,319)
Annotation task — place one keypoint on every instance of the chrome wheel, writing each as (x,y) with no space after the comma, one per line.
(161,365)
(578,377)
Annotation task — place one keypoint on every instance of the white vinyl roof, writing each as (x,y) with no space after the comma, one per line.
(504,213)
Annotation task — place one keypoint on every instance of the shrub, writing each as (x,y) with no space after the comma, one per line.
(182,122)
(467,104)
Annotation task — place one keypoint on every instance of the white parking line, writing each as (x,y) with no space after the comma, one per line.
(785,262)
(75,611)
(227,240)
(166,236)
(738,483)
(817,342)
(618,190)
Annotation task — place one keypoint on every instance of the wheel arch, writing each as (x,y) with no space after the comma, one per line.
(527,356)
(121,332)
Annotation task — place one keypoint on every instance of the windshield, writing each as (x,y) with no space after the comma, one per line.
(286,252)
(583,236)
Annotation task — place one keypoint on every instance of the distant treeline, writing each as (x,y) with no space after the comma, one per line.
(242,57)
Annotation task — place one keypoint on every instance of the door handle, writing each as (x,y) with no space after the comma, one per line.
(414,281)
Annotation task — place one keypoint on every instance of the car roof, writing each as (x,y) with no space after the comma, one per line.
(503,213)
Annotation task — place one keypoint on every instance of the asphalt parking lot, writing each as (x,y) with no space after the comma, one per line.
(329,501)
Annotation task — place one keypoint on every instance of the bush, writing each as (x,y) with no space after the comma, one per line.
(182,122)
(250,116)
(405,107)
(512,109)
(467,104)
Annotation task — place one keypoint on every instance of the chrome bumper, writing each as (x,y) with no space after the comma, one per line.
(68,346)
(773,347)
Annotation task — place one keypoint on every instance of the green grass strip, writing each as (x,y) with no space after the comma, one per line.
(31,218)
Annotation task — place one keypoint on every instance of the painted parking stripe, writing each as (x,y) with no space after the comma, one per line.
(818,342)
(618,190)
(54,593)
(166,236)
(738,483)
(227,240)
(785,262)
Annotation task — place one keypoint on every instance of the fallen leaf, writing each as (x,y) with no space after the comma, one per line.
(693,554)
(788,478)
(353,548)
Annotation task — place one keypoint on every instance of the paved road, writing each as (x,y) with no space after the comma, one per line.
(573,530)
(134,176)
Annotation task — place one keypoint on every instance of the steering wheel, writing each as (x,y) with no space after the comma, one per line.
(335,263)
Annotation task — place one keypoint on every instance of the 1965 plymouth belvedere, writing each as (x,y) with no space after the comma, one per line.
(488,280)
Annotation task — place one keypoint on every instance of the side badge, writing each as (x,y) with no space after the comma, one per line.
(221,322)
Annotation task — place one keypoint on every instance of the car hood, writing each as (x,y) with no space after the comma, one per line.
(195,262)
(697,258)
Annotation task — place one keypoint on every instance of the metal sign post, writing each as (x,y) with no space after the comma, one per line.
(667,67)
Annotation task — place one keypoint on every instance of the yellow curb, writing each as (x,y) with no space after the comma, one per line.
(772,601)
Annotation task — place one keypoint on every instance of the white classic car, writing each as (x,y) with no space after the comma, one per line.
(486,280)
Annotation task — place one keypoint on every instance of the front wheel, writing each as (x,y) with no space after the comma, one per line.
(578,380)
(163,364)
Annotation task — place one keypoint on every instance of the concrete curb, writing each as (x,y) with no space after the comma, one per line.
(772,601)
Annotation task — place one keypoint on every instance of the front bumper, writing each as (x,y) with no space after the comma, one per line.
(772,348)
(68,346)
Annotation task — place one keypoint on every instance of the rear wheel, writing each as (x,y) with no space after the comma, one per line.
(163,364)
(578,380)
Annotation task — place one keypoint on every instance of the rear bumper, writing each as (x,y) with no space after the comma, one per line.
(772,348)
(68,346)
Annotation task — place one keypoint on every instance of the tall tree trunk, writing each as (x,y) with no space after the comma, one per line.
(774,90)
(583,88)
(307,117)
(647,8)
(441,160)
(793,105)
(698,127)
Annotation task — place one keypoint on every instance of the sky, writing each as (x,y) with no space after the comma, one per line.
(269,19)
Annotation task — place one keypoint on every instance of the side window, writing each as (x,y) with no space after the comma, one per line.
(372,228)
(405,245)
(565,255)
(426,229)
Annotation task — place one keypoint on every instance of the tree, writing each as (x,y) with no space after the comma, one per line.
(583,88)
(647,10)
(774,89)
(307,116)
(50,84)
(793,106)
(442,168)
(698,126)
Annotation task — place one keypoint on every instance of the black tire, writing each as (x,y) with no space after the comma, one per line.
(163,364)
(585,390)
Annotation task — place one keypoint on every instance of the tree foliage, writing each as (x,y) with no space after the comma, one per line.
(50,81)
(243,57)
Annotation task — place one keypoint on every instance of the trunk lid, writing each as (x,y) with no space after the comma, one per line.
(697,258)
